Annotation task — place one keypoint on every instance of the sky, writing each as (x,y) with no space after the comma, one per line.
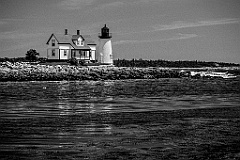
(204,30)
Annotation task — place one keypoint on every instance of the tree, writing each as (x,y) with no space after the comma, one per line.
(31,55)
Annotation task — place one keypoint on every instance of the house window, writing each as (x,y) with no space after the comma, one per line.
(53,52)
(53,42)
(65,52)
(74,53)
(81,43)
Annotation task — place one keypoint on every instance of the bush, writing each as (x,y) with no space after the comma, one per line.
(42,60)
(81,62)
(73,61)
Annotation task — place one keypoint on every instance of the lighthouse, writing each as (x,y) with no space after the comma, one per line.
(105,55)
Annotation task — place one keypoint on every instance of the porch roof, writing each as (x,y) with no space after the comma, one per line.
(81,48)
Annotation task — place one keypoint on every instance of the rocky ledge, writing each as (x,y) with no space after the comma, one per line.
(37,72)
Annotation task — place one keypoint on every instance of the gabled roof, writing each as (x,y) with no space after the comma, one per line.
(52,35)
(88,39)
(68,39)
(75,37)
(63,38)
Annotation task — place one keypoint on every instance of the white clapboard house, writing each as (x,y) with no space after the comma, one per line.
(62,47)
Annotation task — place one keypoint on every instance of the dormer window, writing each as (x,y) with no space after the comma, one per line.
(79,42)
(53,42)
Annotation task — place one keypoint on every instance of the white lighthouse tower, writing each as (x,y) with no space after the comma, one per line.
(105,55)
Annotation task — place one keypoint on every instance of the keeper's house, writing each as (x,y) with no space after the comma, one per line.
(62,47)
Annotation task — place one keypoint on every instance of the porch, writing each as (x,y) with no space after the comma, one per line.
(81,54)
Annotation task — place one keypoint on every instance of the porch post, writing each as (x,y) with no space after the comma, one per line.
(80,54)
(90,55)
(59,54)
(71,53)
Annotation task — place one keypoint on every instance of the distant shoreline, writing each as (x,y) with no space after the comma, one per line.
(28,72)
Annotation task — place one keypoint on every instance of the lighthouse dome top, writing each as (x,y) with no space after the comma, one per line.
(105,33)
(105,27)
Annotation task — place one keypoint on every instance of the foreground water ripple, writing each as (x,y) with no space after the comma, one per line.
(155,119)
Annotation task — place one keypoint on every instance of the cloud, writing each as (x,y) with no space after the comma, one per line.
(148,1)
(179,36)
(129,2)
(182,36)
(5,21)
(78,4)
(2,22)
(141,1)
(114,4)
(110,5)
(128,42)
(182,24)
(16,35)
(75,4)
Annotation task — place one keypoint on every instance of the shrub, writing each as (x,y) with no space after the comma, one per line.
(73,61)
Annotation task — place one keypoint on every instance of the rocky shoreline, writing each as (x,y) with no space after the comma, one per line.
(29,72)
(42,72)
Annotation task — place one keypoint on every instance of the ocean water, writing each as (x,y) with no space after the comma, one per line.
(129,119)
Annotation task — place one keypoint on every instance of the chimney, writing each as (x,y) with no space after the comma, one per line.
(66,32)
(78,32)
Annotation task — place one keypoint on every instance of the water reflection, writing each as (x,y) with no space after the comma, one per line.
(59,107)
(76,120)
(82,130)
(93,128)
(63,106)
(71,98)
